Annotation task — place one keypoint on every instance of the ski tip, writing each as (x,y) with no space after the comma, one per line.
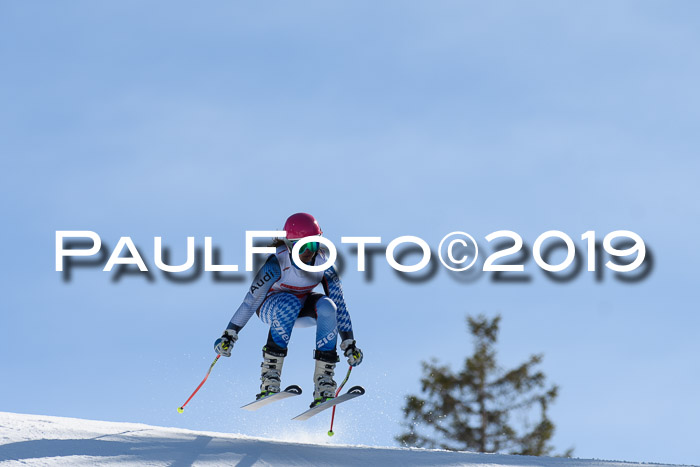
(356,390)
(294,389)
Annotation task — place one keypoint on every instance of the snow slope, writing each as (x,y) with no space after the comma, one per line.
(44,440)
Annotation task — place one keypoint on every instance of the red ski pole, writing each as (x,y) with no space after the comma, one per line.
(182,407)
(347,376)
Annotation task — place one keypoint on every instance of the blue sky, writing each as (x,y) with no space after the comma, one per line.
(394,119)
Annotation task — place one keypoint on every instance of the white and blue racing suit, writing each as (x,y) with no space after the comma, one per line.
(281,294)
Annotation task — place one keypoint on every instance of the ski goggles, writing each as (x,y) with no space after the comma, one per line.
(310,246)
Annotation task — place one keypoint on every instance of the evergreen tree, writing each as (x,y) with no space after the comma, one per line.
(475,408)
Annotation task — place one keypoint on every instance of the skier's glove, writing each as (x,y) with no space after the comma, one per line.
(224,344)
(353,353)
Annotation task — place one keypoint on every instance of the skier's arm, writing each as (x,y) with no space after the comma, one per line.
(334,290)
(268,274)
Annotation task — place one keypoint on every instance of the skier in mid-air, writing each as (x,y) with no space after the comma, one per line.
(281,295)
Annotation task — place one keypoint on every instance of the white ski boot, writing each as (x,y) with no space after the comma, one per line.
(271,372)
(324,384)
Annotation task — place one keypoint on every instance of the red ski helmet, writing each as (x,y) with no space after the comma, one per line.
(301,225)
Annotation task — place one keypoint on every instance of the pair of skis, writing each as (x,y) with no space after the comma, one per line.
(292,391)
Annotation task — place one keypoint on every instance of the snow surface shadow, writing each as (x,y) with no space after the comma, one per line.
(119,434)
(194,449)
(181,452)
(185,451)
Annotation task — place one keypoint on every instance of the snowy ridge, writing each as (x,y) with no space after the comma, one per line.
(45,440)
